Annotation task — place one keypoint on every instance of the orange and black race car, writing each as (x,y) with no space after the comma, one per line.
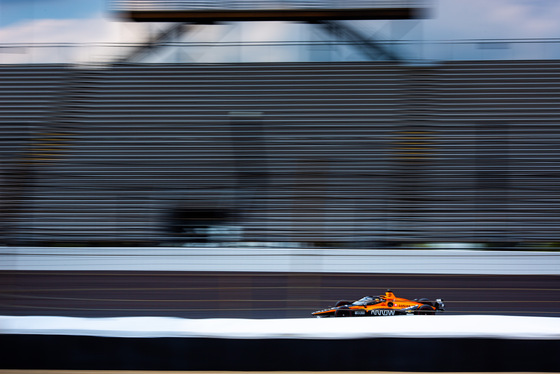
(383,305)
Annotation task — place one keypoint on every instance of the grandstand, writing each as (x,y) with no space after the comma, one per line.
(319,154)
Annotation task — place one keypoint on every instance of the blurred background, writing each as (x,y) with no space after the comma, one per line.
(363,125)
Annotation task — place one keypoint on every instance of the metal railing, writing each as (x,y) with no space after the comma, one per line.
(284,51)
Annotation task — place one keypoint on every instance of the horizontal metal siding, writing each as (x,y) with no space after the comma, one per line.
(348,152)
(498,160)
(163,135)
(27,98)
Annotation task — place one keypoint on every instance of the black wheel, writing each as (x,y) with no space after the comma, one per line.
(343,313)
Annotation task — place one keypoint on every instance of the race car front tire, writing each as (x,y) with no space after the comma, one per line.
(343,313)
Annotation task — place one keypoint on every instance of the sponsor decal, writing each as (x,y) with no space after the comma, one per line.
(381,312)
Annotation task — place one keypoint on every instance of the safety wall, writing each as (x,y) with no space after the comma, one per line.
(39,352)
(329,154)
(406,343)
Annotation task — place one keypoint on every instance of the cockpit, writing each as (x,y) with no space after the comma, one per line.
(367,300)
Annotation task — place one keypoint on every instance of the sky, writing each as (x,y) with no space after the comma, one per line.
(18,11)
(88,21)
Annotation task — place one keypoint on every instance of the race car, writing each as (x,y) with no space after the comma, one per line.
(383,305)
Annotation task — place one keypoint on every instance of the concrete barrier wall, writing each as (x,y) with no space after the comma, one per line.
(280,260)
(413,343)
(392,354)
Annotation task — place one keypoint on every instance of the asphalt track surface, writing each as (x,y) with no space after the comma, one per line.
(261,295)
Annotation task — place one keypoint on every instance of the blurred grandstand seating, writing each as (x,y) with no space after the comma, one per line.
(338,154)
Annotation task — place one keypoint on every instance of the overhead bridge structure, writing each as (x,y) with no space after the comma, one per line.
(327,14)
(196,11)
